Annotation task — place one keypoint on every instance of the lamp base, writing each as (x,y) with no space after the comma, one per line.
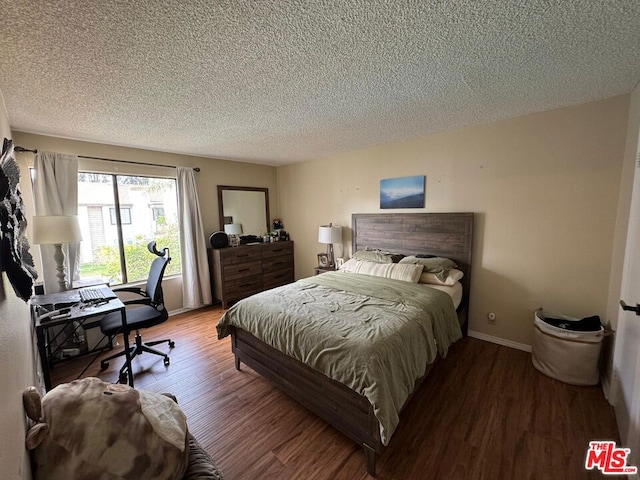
(330,257)
(58,256)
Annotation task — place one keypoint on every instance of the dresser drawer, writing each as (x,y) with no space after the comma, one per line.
(272,264)
(277,278)
(238,272)
(231,255)
(277,248)
(242,287)
(241,270)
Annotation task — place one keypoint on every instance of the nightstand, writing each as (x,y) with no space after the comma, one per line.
(319,270)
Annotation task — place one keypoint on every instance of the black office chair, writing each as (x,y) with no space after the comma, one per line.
(149,311)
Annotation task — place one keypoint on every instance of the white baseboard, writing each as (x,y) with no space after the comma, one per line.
(500,341)
(178,311)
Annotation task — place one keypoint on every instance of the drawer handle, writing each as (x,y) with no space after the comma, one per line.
(244,270)
(242,255)
(246,285)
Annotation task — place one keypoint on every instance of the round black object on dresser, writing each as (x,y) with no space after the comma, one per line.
(219,240)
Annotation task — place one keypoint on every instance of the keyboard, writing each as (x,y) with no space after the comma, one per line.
(95,294)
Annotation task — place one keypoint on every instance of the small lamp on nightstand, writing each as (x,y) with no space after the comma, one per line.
(330,234)
(57,230)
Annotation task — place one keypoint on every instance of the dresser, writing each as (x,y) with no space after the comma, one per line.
(238,272)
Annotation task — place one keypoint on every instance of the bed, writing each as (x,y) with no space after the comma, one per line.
(368,413)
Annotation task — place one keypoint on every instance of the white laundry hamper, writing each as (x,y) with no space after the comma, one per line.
(566,355)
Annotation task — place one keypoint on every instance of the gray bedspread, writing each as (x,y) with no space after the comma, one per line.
(372,334)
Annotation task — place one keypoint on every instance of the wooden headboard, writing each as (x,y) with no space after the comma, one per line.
(447,235)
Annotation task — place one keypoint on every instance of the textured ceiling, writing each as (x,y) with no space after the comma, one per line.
(278,82)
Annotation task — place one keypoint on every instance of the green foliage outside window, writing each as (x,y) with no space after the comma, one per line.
(138,259)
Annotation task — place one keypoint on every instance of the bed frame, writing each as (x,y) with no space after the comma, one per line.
(443,234)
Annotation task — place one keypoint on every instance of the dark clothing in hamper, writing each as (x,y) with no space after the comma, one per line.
(588,324)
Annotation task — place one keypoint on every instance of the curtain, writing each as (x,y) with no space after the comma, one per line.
(55,191)
(196,286)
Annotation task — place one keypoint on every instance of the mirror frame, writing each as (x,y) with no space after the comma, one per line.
(222,188)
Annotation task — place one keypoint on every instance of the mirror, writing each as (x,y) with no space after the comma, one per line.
(246,206)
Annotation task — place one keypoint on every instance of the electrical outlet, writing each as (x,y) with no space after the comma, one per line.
(491,318)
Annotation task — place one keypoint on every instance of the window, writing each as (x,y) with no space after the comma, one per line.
(116,251)
(158,213)
(125,216)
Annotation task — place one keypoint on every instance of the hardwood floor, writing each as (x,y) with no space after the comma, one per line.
(483,413)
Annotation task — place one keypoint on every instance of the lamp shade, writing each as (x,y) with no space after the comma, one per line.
(330,234)
(233,229)
(56,229)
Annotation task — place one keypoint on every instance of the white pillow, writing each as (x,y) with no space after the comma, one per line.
(406,272)
(432,279)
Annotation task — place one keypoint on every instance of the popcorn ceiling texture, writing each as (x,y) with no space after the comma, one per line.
(278,82)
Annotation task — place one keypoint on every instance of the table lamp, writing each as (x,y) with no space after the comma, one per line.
(233,230)
(330,234)
(56,230)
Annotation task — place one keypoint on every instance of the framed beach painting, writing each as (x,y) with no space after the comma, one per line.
(404,192)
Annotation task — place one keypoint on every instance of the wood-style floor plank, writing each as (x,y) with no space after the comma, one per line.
(483,413)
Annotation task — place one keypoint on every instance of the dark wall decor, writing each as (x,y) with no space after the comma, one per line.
(15,258)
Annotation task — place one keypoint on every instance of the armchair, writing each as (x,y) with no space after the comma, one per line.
(147,310)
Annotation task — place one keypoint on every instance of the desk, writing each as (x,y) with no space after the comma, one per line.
(79,313)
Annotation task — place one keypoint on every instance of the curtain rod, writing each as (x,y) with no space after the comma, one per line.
(22,149)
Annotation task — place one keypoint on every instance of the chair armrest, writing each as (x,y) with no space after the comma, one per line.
(137,301)
(137,290)
(201,466)
(144,300)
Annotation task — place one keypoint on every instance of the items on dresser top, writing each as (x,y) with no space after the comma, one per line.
(219,240)
(241,271)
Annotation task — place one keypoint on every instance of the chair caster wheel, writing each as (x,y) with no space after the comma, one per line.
(104,366)
(172,344)
(123,378)
(166,361)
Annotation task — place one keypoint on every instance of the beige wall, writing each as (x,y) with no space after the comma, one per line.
(544,188)
(17,365)
(213,173)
